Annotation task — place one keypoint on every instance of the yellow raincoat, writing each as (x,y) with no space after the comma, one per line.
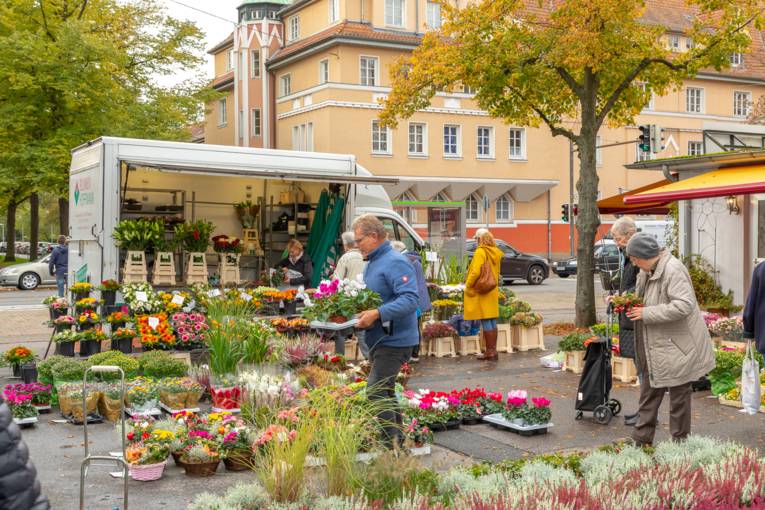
(482,306)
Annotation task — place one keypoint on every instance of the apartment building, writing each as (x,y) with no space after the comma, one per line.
(308,76)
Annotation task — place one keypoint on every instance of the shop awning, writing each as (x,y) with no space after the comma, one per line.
(616,205)
(459,188)
(716,183)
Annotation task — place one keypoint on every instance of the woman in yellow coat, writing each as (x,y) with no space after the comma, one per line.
(484,307)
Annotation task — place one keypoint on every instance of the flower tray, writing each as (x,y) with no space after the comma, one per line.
(154,411)
(221,410)
(333,326)
(43,409)
(419,451)
(449,425)
(498,420)
(471,421)
(147,472)
(92,418)
(25,421)
(168,410)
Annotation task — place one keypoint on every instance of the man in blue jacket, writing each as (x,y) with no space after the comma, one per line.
(58,264)
(391,330)
(754,311)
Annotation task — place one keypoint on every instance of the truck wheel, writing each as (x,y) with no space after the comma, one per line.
(29,281)
(536,275)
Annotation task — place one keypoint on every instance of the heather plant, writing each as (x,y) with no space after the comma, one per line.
(599,466)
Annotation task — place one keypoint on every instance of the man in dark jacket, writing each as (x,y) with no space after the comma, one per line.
(422,291)
(58,264)
(754,311)
(19,487)
(297,260)
(622,231)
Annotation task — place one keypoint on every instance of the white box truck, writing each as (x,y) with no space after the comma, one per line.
(111,179)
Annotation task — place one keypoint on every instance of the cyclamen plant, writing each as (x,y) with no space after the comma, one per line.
(340,298)
(731,329)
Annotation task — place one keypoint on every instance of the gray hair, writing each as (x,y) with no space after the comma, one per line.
(349,239)
(624,226)
(398,246)
(370,224)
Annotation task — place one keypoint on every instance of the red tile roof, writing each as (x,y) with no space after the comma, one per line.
(223,80)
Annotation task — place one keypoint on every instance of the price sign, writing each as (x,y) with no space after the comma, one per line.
(431,256)
(213,293)
(141,296)
(178,300)
(245,296)
(153,322)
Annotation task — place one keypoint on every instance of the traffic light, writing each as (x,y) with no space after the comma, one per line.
(657,140)
(645,138)
(576,210)
(564,213)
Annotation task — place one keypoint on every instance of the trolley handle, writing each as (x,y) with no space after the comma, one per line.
(105,368)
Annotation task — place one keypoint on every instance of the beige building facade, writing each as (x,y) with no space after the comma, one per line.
(309,75)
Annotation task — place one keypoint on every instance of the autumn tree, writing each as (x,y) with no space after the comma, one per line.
(74,70)
(573,66)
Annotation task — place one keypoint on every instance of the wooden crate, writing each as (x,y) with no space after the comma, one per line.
(196,268)
(351,349)
(574,361)
(469,345)
(504,338)
(134,270)
(623,369)
(441,347)
(164,269)
(526,339)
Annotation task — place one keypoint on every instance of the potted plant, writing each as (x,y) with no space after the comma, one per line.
(164,261)
(339,300)
(515,407)
(731,330)
(63,323)
(538,413)
(226,393)
(65,342)
(136,236)
(190,329)
(141,298)
(195,238)
(417,434)
(437,332)
(90,341)
(142,397)
(178,393)
(527,331)
(117,319)
(229,250)
(201,458)
(122,339)
(109,290)
(22,410)
(573,345)
(41,394)
(57,306)
(87,320)
(87,304)
(159,364)
(155,332)
(236,446)
(16,356)
(146,461)
(443,309)
(80,290)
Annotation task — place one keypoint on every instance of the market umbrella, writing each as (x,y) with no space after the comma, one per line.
(319,222)
(326,249)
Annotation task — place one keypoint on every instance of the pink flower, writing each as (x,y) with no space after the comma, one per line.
(197,327)
(292,435)
(540,402)
(518,394)
(516,402)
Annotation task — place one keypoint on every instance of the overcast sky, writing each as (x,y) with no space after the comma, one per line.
(215,29)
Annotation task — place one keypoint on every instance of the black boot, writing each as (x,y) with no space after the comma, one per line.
(630,419)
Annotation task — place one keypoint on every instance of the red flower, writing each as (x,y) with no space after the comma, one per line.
(196,235)
(130,436)
(145,436)
(227,393)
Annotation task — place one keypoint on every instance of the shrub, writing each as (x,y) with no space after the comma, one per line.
(158,364)
(574,342)
(45,368)
(128,364)
(69,369)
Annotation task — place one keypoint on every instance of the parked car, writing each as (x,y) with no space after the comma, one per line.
(516,265)
(29,275)
(606,258)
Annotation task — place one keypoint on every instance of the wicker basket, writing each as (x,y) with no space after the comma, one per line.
(238,462)
(147,472)
(201,469)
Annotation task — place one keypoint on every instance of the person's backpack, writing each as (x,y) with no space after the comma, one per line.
(486,282)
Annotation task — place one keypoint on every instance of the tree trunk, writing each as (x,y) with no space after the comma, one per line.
(34,224)
(588,219)
(63,216)
(10,232)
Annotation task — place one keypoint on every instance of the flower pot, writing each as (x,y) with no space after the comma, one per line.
(29,372)
(453,424)
(177,458)
(518,421)
(84,326)
(201,469)
(437,427)
(76,296)
(238,461)
(16,369)
(55,313)
(338,319)
(60,328)
(471,421)
(147,472)
(65,349)
(109,297)
(290,307)
(124,345)
(89,347)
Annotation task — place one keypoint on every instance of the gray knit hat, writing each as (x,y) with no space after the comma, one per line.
(642,246)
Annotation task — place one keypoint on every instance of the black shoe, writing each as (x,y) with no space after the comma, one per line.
(630,419)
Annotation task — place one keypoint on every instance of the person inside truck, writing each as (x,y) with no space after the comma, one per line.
(296,262)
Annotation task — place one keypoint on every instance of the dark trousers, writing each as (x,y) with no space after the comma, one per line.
(650,400)
(381,386)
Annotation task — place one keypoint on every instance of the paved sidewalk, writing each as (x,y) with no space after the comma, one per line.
(25,325)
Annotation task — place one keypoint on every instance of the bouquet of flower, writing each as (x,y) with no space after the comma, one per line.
(272,391)
(190,328)
(81,288)
(526,319)
(340,299)
(117,318)
(225,244)
(141,298)
(626,302)
(88,317)
(87,304)
(20,404)
(433,330)
(731,329)
(18,355)
(109,286)
(155,332)
(56,303)
(63,320)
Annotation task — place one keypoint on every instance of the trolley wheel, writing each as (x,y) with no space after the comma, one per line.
(602,414)
(616,406)
(578,416)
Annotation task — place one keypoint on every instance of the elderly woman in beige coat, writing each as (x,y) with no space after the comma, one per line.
(673,346)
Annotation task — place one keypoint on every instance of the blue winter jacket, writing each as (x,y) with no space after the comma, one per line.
(422,286)
(58,263)
(754,311)
(390,274)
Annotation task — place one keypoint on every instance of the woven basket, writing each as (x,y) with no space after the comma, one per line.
(147,472)
(203,469)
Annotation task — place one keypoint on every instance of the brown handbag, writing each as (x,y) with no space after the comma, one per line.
(486,281)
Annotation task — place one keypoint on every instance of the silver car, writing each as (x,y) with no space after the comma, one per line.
(29,275)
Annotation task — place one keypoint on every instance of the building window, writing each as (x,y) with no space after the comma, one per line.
(472,209)
(641,155)
(418,139)
(694,100)
(485,142)
(240,124)
(452,141)
(256,122)
(517,148)
(255,63)
(302,137)
(394,13)
(230,60)
(259,14)
(650,104)
(467,89)
(441,197)
(674,42)
(286,85)
(695,148)
(368,71)
(324,71)
(503,210)
(334,10)
(273,14)
(689,44)
(380,138)
(222,114)
(407,212)
(736,59)
(598,151)
(741,103)
(434,15)
(294,25)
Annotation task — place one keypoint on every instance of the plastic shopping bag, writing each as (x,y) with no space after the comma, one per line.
(750,382)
